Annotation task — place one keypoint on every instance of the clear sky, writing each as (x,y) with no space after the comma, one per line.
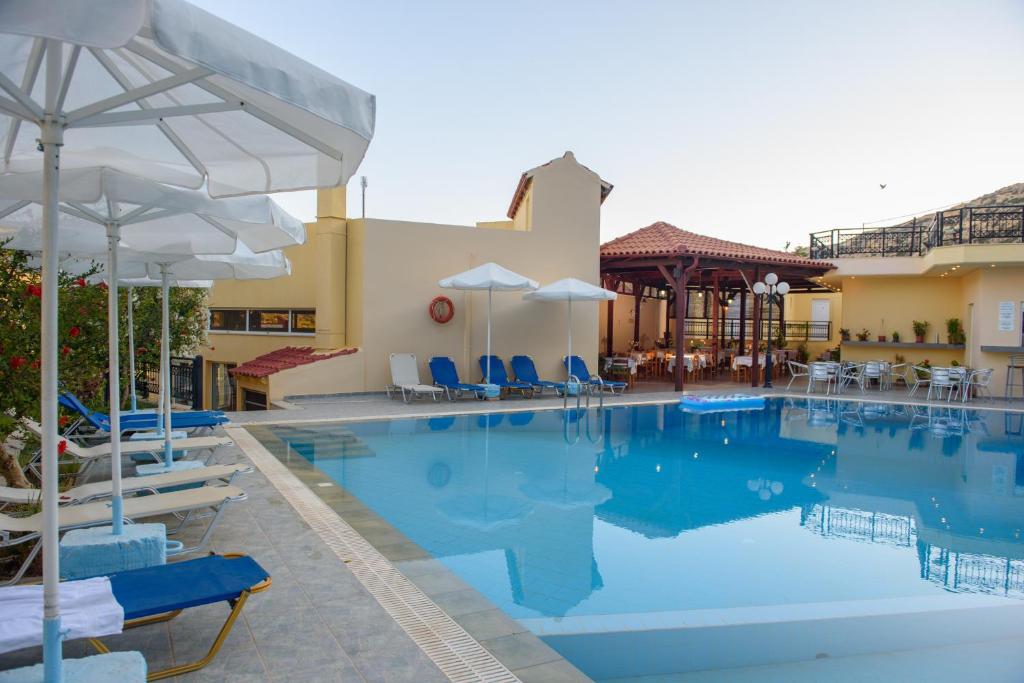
(753,121)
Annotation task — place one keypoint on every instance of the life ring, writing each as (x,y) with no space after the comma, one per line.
(441,310)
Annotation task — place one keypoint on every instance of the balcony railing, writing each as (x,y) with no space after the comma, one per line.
(796,330)
(186,380)
(969,225)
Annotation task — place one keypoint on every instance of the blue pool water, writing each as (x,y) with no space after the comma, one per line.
(648,509)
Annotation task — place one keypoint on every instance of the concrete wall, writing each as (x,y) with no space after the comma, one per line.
(400,264)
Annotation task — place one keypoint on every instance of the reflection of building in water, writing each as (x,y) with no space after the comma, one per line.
(663,497)
(936,478)
(466,487)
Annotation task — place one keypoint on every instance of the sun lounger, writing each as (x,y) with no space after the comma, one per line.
(139,421)
(87,455)
(500,377)
(129,485)
(442,369)
(157,594)
(405,378)
(526,371)
(579,370)
(183,504)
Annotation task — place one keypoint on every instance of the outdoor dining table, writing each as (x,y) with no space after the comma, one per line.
(688,361)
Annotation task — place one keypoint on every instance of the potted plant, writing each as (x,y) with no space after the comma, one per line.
(920,329)
(895,337)
(881,337)
(802,356)
(863,334)
(844,333)
(955,331)
(923,364)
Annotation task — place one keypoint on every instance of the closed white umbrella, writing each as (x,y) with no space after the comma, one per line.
(104,208)
(570,289)
(490,277)
(164,90)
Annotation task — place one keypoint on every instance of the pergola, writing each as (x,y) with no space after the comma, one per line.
(661,260)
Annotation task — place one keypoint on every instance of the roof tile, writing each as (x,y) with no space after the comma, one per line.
(284,359)
(663,239)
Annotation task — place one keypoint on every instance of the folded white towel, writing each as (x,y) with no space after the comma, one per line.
(87,610)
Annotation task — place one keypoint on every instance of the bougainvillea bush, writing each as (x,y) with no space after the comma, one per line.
(81,344)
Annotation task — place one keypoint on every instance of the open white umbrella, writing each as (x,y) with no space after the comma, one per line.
(570,289)
(104,208)
(163,90)
(243,264)
(490,277)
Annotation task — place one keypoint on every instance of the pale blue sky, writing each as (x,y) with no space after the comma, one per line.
(753,121)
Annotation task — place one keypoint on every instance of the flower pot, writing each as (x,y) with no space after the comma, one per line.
(881,337)
(919,339)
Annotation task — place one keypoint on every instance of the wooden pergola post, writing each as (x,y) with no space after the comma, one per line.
(638,297)
(610,328)
(682,278)
(743,319)
(755,336)
(715,314)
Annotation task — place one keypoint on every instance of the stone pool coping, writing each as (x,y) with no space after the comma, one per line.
(462,632)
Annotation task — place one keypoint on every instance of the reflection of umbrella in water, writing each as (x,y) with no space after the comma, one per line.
(567,493)
(484,511)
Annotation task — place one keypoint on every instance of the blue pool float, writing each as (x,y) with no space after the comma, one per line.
(721,402)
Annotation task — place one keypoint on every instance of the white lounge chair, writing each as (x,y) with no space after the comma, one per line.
(129,485)
(405,378)
(87,455)
(183,504)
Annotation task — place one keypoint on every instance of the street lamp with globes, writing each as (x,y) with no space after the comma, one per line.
(774,291)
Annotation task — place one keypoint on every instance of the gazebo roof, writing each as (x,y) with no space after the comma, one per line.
(664,240)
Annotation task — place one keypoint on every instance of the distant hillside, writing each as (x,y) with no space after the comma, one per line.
(1011,194)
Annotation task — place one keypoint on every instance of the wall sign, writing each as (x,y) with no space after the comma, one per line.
(1006,315)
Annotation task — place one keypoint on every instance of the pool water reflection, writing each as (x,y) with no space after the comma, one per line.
(650,509)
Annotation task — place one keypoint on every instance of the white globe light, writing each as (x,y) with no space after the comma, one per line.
(760,288)
(783,288)
(771,279)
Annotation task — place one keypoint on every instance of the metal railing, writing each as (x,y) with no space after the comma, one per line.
(186,380)
(796,330)
(967,225)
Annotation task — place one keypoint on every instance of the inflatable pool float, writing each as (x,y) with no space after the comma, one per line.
(720,402)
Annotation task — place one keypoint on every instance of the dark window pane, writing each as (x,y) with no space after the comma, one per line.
(304,321)
(268,321)
(227,319)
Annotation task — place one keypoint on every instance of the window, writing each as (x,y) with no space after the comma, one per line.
(227,320)
(268,321)
(263,320)
(304,321)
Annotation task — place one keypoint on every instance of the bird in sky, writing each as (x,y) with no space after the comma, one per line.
(882,185)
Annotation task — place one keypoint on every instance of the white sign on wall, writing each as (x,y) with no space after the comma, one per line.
(1006,315)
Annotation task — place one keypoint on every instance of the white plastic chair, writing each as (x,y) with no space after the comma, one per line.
(873,371)
(852,374)
(942,381)
(978,382)
(797,370)
(921,376)
(819,373)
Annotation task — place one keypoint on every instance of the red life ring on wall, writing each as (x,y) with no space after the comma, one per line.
(441,310)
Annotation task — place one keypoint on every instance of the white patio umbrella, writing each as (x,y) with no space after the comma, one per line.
(490,277)
(104,207)
(130,285)
(164,90)
(570,289)
(243,264)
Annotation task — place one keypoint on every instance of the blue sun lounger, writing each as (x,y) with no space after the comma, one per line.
(580,371)
(526,371)
(500,377)
(156,594)
(140,422)
(446,376)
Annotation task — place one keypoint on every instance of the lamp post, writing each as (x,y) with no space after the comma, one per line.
(774,290)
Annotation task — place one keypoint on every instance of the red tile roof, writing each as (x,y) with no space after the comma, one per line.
(284,359)
(663,239)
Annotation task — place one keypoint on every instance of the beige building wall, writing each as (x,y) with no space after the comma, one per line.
(652,323)
(383,275)
(798,307)
(401,262)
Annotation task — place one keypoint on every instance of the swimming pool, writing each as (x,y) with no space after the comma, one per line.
(645,540)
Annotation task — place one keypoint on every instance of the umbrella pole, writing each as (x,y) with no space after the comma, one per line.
(490,296)
(51,138)
(165,356)
(130,295)
(568,359)
(114,380)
